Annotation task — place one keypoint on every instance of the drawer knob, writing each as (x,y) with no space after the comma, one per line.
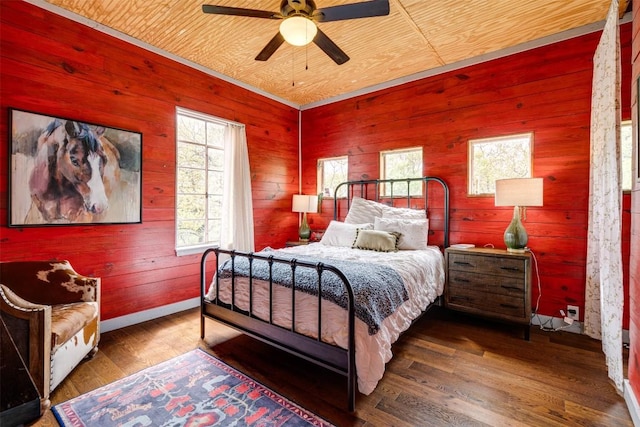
(510,268)
(511,288)
(461,263)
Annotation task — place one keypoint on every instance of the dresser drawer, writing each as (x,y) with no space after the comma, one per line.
(501,285)
(470,300)
(499,266)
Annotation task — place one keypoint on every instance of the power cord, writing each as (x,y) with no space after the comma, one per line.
(544,326)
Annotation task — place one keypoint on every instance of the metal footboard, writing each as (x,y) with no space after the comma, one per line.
(313,349)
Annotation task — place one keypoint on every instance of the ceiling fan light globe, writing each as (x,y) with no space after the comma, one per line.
(298,30)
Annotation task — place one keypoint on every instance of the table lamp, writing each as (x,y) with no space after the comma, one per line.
(518,192)
(304,203)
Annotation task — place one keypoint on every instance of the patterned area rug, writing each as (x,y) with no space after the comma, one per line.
(194,389)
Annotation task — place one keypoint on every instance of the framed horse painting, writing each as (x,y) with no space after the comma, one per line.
(65,171)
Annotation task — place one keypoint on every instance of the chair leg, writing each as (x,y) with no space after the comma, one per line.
(44,405)
(92,353)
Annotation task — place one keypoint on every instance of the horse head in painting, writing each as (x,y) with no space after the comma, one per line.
(68,180)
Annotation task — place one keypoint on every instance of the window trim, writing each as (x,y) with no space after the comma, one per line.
(320,174)
(472,142)
(382,161)
(627,190)
(199,247)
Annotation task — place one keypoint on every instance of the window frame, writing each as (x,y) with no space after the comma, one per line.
(383,172)
(199,247)
(626,124)
(470,159)
(320,187)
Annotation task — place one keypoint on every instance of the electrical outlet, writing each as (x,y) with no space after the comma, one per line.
(573,312)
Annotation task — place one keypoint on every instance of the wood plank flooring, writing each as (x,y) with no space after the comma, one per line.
(447,370)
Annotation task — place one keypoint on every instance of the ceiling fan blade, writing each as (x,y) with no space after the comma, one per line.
(238,11)
(330,48)
(365,9)
(271,47)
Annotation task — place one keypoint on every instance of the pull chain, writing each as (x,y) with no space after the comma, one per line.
(293,67)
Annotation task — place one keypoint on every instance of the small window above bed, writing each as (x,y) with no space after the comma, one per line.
(331,172)
(502,157)
(401,164)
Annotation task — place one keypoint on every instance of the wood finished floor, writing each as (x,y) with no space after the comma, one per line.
(447,370)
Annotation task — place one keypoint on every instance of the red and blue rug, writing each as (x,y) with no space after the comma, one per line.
(194,389)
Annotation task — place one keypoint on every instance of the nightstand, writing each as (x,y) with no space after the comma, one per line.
(296,243)
(491,283)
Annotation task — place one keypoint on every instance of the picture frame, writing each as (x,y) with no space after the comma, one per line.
(69,172)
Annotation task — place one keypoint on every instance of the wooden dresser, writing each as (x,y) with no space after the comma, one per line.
(491,283)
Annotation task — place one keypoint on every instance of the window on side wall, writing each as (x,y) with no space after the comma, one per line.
(401,164)
(502,157)
(199,180)
(626,150)
(331,172)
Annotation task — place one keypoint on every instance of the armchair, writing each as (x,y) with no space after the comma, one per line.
(53,316)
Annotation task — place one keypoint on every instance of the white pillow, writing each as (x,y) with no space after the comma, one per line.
(363,211)
(403,213)
(413,232)
(342,234)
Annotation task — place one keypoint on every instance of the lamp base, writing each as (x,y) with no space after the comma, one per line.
(304,233)
(516,251)
(515,236)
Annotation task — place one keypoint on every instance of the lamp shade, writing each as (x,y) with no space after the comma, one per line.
(519,192)
(304,203)
(298,30)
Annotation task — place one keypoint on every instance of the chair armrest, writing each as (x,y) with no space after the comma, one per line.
(30,328)
(49,282)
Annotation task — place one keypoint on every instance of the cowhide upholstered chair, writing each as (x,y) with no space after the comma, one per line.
(53,316)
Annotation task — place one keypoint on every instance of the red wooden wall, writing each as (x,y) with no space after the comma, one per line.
(57,67)
(546,91)
(634,285)
(51,65)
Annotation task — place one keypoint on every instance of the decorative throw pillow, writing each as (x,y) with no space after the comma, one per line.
(403,213)
(342,234)
(376,240)
(363,211)
(414,232)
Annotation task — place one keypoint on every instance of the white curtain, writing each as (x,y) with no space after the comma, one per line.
(604,292)
(237,205)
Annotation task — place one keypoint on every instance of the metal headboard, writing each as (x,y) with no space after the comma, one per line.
(371,190)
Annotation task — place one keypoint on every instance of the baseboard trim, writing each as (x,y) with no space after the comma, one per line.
(145,315)
(632,403)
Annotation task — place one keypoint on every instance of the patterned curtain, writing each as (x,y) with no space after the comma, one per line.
(604,292)
(237,205)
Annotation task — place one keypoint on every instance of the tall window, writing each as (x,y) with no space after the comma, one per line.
(504,157)
(331,172)
(626,139)
(399,164)
(199,183)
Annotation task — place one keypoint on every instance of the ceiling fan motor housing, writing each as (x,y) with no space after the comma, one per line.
(297,7)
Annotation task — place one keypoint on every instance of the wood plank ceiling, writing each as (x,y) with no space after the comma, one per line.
(415,37)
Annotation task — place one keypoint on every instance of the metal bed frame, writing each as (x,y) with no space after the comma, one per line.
(315,350)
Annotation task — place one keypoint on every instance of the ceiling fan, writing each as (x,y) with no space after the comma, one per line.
(299,23)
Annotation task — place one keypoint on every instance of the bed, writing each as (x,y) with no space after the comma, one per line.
(343,301)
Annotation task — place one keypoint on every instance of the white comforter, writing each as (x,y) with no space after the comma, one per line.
(423,275)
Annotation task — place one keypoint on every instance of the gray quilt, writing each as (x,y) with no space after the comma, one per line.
(378,290)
